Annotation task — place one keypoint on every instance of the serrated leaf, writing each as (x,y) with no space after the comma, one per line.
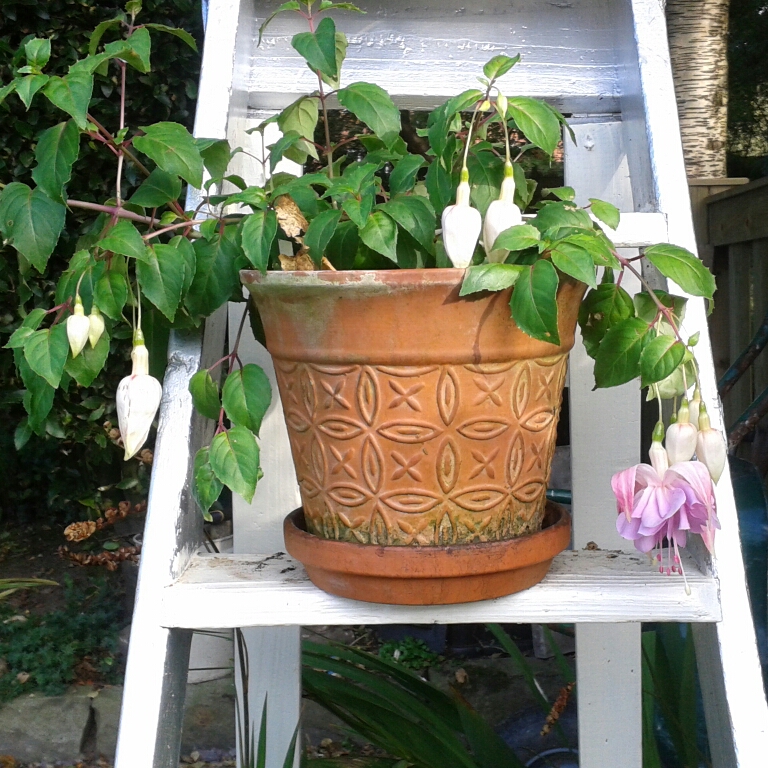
(301,117)
(110,293)
(575,261)
(280,147)
(683,268)
(28,86)
(594,244)
(246,397)
(216,155)
(88,364)
(206,487)
(205,394)
(416,216)
(234,458)
(46,352)
(291,5)
(404,174)
(157,189)
(125,239)
(607,213)
(38,52)
(161,275)
(499,65)
(72,94)
(380,234)
(358,210)
(28,326)
(319,233)
(618,357)
(373,106)
(9,88)
(556,220)
(659,358)
(217,275)
(567,194)
(182,34)
(490,277)
(518,238)
(258,234)
(540,126)
(56,151)
(31,222)
(99,31)
(187,252)
(534,302)
(341,54)
(173,149)
(319,47)
(600,310)
(134,50)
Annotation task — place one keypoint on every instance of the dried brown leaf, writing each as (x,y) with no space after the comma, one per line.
(289,216)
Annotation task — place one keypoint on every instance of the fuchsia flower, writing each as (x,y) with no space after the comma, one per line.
(658,501)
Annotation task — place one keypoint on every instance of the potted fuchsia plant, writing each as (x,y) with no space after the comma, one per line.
(419,324)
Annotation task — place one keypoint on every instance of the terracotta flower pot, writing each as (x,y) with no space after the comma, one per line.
(416,417)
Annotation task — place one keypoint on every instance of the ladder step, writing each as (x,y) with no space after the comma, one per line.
(585,586)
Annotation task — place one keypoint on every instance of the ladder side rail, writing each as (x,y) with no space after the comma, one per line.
(605,436)
(727,650)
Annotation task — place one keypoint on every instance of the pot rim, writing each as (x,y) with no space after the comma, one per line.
(448,276)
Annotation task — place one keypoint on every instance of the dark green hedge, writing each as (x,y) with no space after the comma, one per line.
(51,476)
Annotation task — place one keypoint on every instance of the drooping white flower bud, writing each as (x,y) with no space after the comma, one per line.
(138,398)
(711,449)
(695,407)
(461,226)
(77,328)
(681,436)
(501,104)
(95,326)
(657,453)
(501,214)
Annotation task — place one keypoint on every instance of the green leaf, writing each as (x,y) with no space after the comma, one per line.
(217,275)
(534,302)
(439,186)
(161,275)
(86,271)
(359,210)
(291,5)
(342,247)
(647,309)
(404,174)
(255,197)
(110,293)
(618,358)
(659,358)
(9,88)
(46,352)
(31,222)
(518,238)
(23,431)
(575,261)
(380,234)
(72,94)
(38,398)
(215,154)
(490,277)
(28,326)
(134,50)
(182,34)
(38,52)
(99,31)
(28,86)
(319,233)
(234,458)
(601,309)
(341,54)
(416,216)
(157,189)
(301,117)
(258,234)
(280,147)
(205,394)
(485,174)
(172,147)
(557,220)
(372,105)
(88,364)
(684,268)
(594,244)
(319,47)
(499,65)
(207,487)
(246,397)
(567,194)
(536,121)
(607,213)
(56,151)
(125,239)
(184,247)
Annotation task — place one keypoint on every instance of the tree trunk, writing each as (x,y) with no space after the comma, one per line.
(698,39)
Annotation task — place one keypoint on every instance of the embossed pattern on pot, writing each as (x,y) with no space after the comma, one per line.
(423,455)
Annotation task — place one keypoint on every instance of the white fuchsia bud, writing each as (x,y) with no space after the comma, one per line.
(657,453)
(461,226)
(77,328)
(95,326)
(501,104)
(681,436)
(138,398)
(711,449)
(695,407)
(501,214)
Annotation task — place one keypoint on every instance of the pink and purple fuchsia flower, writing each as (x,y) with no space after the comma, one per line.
(658,501)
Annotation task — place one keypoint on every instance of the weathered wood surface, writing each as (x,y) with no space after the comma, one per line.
(700,190)
(739,215)
(583,586)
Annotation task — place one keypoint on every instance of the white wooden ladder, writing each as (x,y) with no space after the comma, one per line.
(606,62)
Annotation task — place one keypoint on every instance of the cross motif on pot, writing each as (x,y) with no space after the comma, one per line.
(334,393)
(405,396)
(406,466)
(537,460)
(342,462)
(489,390)
(484,464)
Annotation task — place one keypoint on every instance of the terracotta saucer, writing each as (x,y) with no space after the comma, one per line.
(428,575)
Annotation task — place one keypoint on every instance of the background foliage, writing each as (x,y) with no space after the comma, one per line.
(48,475)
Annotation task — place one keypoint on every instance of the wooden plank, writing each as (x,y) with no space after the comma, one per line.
(759,308)
(426,52)
(739,326)
(738,215)
(582,586)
